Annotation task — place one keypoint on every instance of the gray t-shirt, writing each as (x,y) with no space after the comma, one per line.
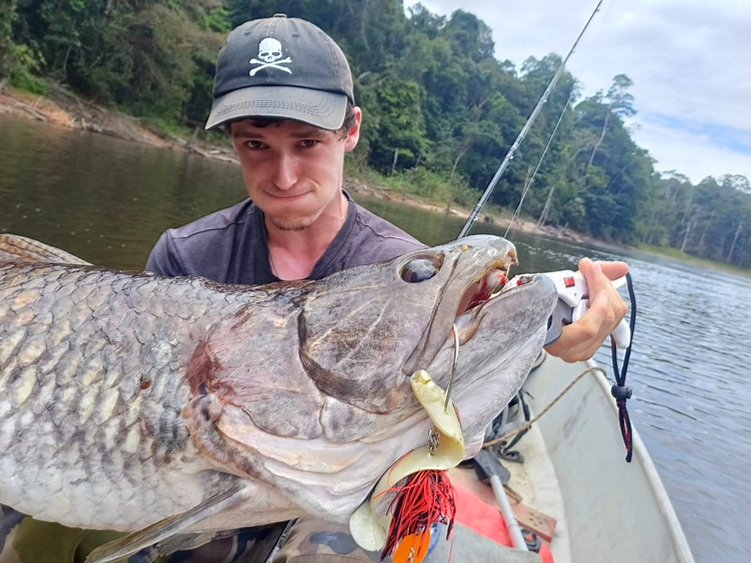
(230,246)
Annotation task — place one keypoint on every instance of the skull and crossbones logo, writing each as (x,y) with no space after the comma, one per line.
(270,56)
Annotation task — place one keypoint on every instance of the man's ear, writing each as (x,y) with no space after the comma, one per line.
(353,135)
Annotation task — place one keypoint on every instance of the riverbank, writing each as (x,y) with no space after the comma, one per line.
(61,108)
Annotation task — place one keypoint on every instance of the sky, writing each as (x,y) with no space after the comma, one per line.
(689,61)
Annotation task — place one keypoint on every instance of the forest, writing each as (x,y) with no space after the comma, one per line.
(441,106)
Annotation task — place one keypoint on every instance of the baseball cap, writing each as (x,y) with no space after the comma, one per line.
(281,67)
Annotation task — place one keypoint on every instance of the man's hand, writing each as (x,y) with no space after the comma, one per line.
(580,340)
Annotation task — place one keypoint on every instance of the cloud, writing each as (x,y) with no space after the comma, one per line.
(686,58)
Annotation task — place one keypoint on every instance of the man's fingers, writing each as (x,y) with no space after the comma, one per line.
(613,270)
(580,340)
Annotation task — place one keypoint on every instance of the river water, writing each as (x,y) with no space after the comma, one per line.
(108,200)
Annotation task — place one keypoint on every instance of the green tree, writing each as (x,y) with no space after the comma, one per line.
(8,16)
(399,140)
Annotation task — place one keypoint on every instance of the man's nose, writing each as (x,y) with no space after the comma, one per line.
(284,174)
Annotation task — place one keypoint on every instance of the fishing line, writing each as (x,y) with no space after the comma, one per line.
(528,184)
(525,129)
(527,425)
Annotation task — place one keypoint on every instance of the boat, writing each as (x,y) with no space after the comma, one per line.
(574,474)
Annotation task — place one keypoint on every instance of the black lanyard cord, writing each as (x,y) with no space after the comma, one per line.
(619,390)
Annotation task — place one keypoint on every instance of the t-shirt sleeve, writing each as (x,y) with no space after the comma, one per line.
(164,258)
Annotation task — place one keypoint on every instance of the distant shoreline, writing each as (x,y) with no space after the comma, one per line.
(62,109)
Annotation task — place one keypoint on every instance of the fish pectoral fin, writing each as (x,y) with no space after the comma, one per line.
(15,248)
(168,527)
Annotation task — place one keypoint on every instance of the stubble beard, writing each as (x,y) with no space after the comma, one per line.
(293,223)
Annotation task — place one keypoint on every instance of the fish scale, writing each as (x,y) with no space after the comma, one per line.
(82,394)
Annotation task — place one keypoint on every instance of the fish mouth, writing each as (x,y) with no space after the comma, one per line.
(489,294)
(494,286)
(490,287)
(462,314)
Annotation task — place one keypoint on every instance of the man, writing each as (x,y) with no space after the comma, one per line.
(283,90)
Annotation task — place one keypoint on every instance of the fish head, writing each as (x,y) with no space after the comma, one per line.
(332,359)
(366,330)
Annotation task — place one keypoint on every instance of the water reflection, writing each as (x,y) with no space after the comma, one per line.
(104,199)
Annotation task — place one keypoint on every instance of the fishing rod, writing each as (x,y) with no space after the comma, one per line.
(524,130)
(623,334)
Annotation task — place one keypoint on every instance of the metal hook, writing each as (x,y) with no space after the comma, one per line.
(453,367)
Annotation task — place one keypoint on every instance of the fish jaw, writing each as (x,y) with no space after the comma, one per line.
(310,476)
(480,263)
(499,342)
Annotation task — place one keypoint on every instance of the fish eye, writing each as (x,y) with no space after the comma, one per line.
(420,269)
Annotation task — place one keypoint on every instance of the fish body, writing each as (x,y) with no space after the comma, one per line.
(131,398)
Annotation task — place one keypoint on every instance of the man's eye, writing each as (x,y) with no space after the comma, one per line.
(254,144)
(309,143)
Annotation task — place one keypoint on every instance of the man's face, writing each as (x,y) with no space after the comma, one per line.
(293,171)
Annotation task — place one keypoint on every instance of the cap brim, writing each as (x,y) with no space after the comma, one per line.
(316,107)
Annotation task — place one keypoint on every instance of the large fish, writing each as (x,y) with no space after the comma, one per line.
(130,398)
